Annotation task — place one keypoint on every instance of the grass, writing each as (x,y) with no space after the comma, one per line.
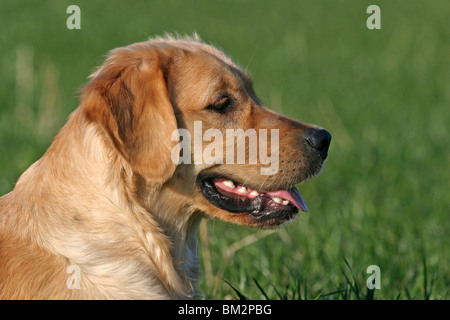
(382,198)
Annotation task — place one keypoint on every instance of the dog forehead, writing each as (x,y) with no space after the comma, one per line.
(204,57)
(226,65)
(198,75)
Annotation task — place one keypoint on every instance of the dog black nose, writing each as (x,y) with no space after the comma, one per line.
(319,140)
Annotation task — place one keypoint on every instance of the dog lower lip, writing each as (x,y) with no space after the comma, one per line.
(258,206)
(234,205)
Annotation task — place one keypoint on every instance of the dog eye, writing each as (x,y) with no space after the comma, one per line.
(222,105)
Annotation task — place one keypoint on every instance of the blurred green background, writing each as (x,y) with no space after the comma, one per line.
(382,198)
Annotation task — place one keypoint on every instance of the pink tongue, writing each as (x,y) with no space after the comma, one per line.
(293,195)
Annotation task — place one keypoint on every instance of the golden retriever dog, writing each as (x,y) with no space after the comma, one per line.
(109,212)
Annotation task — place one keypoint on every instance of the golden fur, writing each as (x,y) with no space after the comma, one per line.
(107,197)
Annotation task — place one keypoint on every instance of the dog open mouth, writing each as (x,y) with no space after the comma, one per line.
(236,198)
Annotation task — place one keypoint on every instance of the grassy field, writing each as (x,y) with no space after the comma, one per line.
(382,198)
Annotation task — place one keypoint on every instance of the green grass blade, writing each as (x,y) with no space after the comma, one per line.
(261,289)
(240,295)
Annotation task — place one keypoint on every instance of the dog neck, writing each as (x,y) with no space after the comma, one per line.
(167,231)
(178,221)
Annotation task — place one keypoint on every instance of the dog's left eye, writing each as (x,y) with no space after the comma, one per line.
(222,105)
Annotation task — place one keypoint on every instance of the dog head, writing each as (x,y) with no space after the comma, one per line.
(185,116)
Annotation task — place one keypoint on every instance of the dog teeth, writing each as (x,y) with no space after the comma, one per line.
(285,202)
(242,190)
(229,183)
(254,193)
(277,199)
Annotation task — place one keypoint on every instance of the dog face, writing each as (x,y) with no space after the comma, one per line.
(149,95)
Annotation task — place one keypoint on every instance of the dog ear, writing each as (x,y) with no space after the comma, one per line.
(128,97)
